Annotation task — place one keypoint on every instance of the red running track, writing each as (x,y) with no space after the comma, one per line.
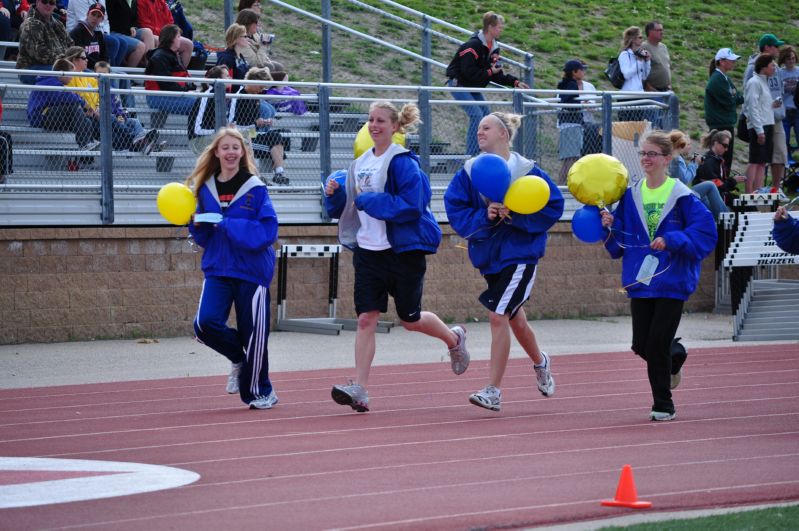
(423,458)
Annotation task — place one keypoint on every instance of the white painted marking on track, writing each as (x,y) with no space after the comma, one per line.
(119,479)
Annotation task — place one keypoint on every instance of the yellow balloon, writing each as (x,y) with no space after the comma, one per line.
(176,203)
(597,179)
(527,194)
(363,141)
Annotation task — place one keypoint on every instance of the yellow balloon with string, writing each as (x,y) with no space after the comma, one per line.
(363,140)
(597,179)
(176,203)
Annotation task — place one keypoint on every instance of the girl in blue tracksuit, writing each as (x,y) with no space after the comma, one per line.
(385,219)
(662,232)
(505,246)
(786,231)
(236,225)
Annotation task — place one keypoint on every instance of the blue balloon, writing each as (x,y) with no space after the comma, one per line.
(340,176)
(587,224)
(491,176)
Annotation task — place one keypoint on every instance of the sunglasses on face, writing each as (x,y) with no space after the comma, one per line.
(47,2)
(725,146)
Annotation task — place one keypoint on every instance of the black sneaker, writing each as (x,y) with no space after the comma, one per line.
(678,356)
(280,179)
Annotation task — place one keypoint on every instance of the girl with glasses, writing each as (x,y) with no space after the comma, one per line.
(662,232)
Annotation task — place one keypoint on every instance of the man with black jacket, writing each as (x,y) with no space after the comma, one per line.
(476,64)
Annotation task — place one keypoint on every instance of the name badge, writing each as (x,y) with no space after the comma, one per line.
(647,270)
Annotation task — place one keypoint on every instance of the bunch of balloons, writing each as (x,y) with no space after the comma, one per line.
(491,176)
(176,203)
(595,180)
(363,141)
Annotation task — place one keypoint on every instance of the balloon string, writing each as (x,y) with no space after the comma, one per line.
(495,225)
(623,289)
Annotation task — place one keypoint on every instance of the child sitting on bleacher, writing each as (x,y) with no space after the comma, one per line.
(248,116)
(145,141)
(202,118)
(62,110)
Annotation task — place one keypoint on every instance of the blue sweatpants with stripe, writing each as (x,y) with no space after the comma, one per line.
(248,341)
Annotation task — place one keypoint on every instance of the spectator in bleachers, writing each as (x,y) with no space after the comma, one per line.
(12,14)
(41,40)
(635,64)
(202,118)
(704,188)
(62,110)
(123,50)
(231,57)
(476,64)
(249,118)
(143,140)
(6,153)
(87,35)
(255,5)
(258,50)
(155,16)
(122,22)
(165,61)
(712,168)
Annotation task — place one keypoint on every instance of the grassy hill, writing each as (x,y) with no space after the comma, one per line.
(553,30)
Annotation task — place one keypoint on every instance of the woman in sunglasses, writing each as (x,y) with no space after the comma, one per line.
(662,232)
(713,168)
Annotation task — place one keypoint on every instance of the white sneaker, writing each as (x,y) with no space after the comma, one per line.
(489,397)
(233,378)
(458,355)
(660,416)
(546,383)
(353,395)
(265,402)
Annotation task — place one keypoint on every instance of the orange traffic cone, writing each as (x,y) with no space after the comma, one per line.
(626,496)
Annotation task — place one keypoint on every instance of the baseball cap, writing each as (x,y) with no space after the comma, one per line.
(726,53)
(769,39)
(573,65)
(97,6)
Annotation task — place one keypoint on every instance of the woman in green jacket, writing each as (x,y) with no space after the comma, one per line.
(722,98)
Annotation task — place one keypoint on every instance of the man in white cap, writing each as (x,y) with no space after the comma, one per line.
(722,99)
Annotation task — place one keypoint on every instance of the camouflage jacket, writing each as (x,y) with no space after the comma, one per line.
(41,40)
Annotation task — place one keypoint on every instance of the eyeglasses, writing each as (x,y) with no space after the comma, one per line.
(725,146)
(650,154)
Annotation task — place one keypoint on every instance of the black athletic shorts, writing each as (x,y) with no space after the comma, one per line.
(379,274)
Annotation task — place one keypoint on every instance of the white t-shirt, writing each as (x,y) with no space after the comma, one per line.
(371,177)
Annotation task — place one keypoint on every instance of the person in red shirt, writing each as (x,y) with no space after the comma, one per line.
(154,15)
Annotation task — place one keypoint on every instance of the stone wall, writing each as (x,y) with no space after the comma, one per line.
(62,284)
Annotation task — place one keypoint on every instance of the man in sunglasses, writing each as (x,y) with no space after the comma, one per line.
(41,40)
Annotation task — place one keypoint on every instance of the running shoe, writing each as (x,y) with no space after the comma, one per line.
(458,355)
(546,383)
(265,402)
(488,397)
(353,395)
(233,378)
(659,416)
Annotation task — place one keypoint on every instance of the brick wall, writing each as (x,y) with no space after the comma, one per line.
(96,283)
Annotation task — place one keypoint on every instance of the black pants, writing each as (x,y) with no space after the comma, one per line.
(655,323)
(71,118)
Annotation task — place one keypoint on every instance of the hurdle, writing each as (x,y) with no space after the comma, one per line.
(330,325)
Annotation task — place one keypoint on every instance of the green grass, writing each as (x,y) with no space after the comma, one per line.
(762,519)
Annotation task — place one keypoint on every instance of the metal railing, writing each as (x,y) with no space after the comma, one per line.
(114,183)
